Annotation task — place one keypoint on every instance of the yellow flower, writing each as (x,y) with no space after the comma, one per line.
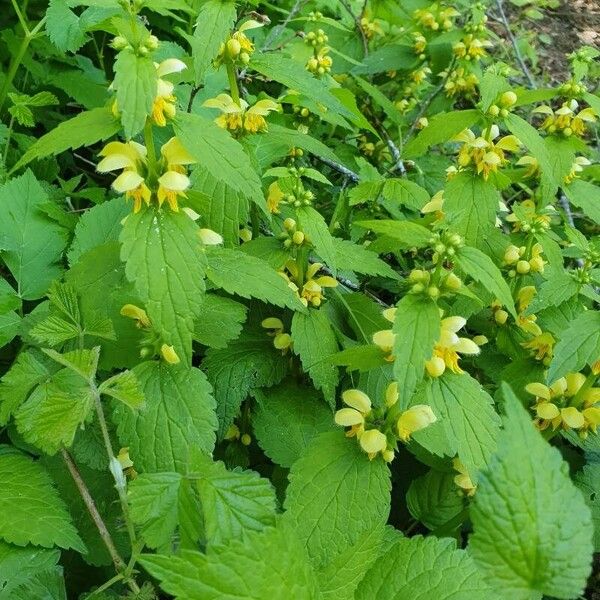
(527,217)
(169,354)
(542,346)
(240,36)
(485,154)
(414,419)
(420,75)
(373,442)
(274,197)
(134,312)
(566,120)
(448,348)
(459,81)
(435,205)
(237,117)
(173,182)
(463,479)
(420,42)
(532,166)
(320,63)
(358,407)
(130,158)
(163,106)
(576,168)
(313,286)
(386,338)
(527,322)
(471,47)
(281,340)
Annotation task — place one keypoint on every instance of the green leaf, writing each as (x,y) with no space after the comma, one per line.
(423,568)
(32,244)
(405,192)
(49,585)
(85,129)
(82,362)
(532,531)
(270,564)
(254,278)
(31,512)
(163,257)
(552,292)
(586,196)
(293,75)
(467,414)
(357,258)
(441,128)
(287,419)
(9,327)
(250,362)
(63,27)
(417,329)
(335,494)
(135,83)
(578,346)
(234,503)
(220,321)
(588,481)
(54,411)
(481,268)
(360,358)
(179,414)
(470,205)
(405,233)
(125,388)
(433,500)
(314,342)
(220,154)
(313,225)
(214,23)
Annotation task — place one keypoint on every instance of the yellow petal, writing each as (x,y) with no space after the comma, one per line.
(272,323)
(592,416)
(547,410)
(414,419)
(385,339)
(559,387)
(263,107)
(391,394)
(574,383)
(572,417)
(171,65)
(135,312)
(127,181)
(174,181)
(175,153)
(250,24)
(347,417)
(373,441)
(390,314)
(115,161)
(539,390)
(210,237)
(282,341)
(467,346)
(169,354)
(435,366)
(358,400)
(453,324)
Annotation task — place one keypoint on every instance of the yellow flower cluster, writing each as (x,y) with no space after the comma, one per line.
(366,423)
(281,340)
(321,63)
(386,338)
(238,116)
(567,404)
(459,82)
(131,159)
(567,119)
(371,28)
(238,47)
(515,256)
(311,290)
(471,48)
(483,152)
(577,167)
(527,219)
(436,17)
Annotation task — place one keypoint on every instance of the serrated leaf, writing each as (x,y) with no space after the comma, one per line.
(417,328)
(552,292)
(9,327)
(353,257)
(244,570)
(248,363)
(135,83)
(179,414)
(405,192)
(313,225)
(314,341)
(335,494)
(125,388)
(223,156)
(360,358)
(481,268)
(468,417)
(85,129)
(423,568)
(405,233)
(532,531)
(54,330)
(287,419)
(588,481)
(63,27)
(83,362)
(32,244)
(220,321)
(586,196)
(39,516)
(579,345)
(234,503)
(164,259)
(254,278)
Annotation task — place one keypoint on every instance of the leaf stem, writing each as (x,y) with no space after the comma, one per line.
(149,143)
(233,84)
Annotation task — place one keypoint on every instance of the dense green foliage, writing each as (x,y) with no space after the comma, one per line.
(298,300)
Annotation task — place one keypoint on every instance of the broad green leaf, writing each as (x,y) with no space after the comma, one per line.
(287,419)
(381,99)
(417,328)
(270,564)
(578,346)
(492,85)
(179,414)
(213,24)
(360,358)
(254,278)
(163,257)
(220,320)
(467,413)
(218,152)
(532,531)
(135,83)
(313,225)
(248,363)
(85,129)
(588,481)
(54,411)
(586,196)
(31,512)
(433,499)
(9,327)
(314,342)
(552,292)
(481,268)
(125,388)
(389,57)
(63,26)
(82,362)
(8,297)
(49,585)
(423,568)
(405,192)
(335,494)
(234,503)
(31,243)
(405,233)
(358,258)
(470,205)
(442,127)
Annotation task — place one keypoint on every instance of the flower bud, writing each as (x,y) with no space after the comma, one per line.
(452,282)
(523,267)
(233,48)
(391,394)
(298,238)
(493,110)
(210,237)
(246,439)
(152,42)
(388,455)
(508,99)
(289,224)
(480,340)
(435,366)
(500,316)
(433,292)
(169,354)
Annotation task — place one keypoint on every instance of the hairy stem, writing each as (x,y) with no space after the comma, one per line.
(233,84)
